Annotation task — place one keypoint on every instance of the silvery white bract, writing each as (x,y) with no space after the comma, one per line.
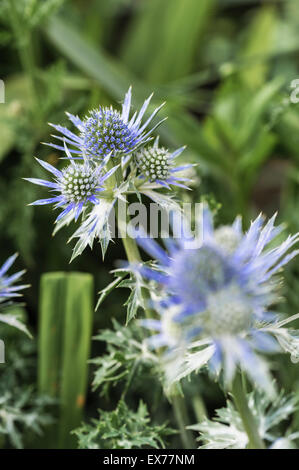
(216,300)
(226,430)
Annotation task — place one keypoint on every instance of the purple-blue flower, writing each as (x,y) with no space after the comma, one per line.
(220,293)
(8,289)
(77,186)
(106,131)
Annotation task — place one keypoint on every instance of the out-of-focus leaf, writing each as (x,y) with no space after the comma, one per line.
(175,42)
(96,63)
(261,41)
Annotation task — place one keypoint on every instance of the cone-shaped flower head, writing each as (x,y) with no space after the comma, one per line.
(79,183)
(75,187)
(106,131)
(156,164)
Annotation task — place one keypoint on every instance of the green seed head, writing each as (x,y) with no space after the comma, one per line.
(154,163)
(78,183)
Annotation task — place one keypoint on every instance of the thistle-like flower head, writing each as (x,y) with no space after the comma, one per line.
(106,131)
(228,312)
(222,293)
(75,187)
(156,165)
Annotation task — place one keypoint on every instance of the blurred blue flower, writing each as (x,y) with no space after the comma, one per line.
(156,165)
(7,288)
(105,131)
(77,186)
(221,293)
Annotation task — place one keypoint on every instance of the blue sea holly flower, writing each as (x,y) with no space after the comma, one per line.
(74,188)
(8,289)
(221,294)
(156,165)
(106,131)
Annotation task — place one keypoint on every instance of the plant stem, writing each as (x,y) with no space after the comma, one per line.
(177,401)
(133,255)
(181,415)
(199,408)
(249,422)
(130,245)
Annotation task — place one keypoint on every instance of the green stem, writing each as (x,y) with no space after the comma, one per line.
(133,255)
(130,245)
(249,422)
(181,415)
(178,403)
(199,408)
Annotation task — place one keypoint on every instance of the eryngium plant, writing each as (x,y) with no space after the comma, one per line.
(211,305)
(216,301)
(106,161)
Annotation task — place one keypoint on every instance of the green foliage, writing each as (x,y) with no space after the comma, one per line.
(126,354)
(123,429)
(226,430)
(66,310)
(225,69)
(23,412)
(127,279)
(180,28)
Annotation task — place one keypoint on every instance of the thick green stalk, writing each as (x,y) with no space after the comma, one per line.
(65,324)
(249,422)
(129,243)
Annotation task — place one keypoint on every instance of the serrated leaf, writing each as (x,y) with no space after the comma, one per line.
(122,428)
(106,291)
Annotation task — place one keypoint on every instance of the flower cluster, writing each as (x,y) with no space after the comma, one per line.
(221,294)
(107,142)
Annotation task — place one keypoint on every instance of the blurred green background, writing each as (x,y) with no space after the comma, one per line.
(225,69)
